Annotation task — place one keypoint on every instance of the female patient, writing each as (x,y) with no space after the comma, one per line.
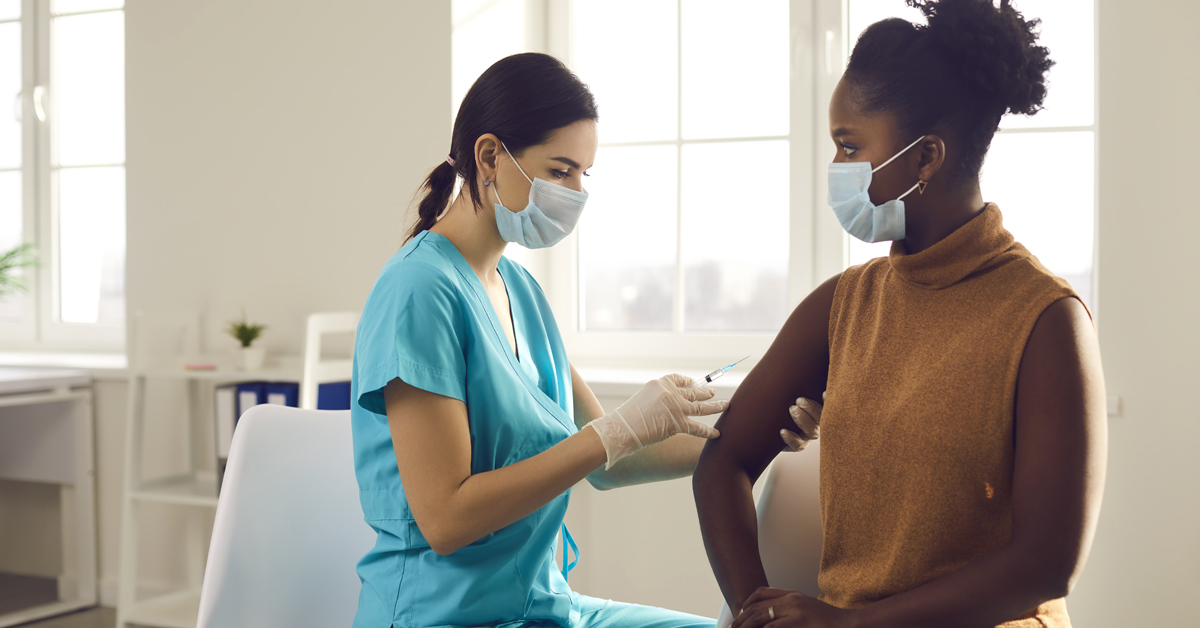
(964,423)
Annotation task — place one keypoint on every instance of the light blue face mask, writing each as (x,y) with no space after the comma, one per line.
(550,216)
(849,197)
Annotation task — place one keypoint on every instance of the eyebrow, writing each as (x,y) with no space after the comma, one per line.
(569,162)
(841,131)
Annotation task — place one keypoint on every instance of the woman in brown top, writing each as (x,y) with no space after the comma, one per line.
(964,430)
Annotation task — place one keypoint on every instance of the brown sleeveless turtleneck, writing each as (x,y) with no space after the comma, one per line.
(917,432)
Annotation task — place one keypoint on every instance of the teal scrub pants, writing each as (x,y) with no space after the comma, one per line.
(596,613)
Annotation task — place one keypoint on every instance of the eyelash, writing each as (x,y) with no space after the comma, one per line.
(560,174)
(848,150)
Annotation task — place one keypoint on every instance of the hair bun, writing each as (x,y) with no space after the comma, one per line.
(995,47)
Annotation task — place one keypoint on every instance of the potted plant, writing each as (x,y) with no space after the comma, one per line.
(20,256)
(246,333)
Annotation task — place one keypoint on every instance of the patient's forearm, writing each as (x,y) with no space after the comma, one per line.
(725,503)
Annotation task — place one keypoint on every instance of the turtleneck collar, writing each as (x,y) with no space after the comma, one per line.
(956,256)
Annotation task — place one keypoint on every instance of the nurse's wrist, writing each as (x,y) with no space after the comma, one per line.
(598,450)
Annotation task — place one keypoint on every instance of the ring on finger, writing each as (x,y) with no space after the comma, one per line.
(771,612)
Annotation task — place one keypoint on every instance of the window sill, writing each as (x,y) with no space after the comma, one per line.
(100,365)
(619,382)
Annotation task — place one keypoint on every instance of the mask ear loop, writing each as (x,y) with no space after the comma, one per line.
(514,160)
(884,163)
(919,184)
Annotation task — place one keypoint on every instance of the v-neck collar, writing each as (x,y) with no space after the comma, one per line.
(515,311)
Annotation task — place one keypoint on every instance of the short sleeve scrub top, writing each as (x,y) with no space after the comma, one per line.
(429,322)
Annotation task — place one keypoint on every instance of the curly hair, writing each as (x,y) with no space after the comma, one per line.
(972,62)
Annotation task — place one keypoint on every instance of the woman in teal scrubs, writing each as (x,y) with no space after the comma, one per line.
(470,424)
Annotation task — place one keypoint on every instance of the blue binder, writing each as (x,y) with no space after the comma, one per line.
(250,394)
(333,396)
(283,393)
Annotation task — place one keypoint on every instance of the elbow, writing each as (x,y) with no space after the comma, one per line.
(602,483)
(1054,574)
(444,546)
(443,540)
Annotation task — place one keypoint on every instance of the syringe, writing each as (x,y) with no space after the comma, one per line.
(713,376)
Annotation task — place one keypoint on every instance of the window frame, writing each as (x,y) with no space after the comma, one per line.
(41,327)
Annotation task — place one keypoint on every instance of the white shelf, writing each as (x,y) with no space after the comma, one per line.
(221,374)
(188,490)
(173,610)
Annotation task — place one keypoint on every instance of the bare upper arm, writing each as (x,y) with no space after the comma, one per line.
(796,365)
(1061,438)
(432,440)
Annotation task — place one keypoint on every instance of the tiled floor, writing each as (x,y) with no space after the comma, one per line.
(98,617)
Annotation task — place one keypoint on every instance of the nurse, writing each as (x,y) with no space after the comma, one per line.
(470,424)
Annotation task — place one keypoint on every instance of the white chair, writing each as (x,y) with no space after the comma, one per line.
(316,371)
(289,529)
(789,524)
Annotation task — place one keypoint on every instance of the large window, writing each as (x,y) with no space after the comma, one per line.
(707,220)
(1040,169)
(62,169)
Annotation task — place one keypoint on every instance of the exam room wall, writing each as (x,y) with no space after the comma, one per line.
(273,147)
(1145,564)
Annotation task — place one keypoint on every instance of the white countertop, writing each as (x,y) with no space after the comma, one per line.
(15,380)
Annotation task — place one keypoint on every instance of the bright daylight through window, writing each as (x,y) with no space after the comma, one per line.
(1032,157)
(62,167)
(687,227)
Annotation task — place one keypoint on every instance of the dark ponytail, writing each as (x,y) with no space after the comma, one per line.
(522,99)
(438,187)
(958,75)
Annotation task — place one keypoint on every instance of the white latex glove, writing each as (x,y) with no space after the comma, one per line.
(657,412)
(807,415)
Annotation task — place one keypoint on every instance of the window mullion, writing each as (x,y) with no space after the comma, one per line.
(40,166)
(678,301)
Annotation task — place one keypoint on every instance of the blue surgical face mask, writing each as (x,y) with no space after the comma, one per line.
(849,197)
(550,216)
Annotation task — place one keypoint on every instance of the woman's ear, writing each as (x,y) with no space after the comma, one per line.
(932,152)
(486,149)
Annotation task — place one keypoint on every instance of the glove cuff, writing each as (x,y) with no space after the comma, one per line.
(617,437)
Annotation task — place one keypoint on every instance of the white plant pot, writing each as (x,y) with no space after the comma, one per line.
(252,359)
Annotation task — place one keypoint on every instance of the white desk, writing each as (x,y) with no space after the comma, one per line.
(46,435)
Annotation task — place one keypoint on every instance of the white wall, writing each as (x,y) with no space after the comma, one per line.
(273,148)
(1145,566)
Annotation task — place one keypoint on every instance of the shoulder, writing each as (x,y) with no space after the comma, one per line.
(1061,327)
(420,267)
(1027,274)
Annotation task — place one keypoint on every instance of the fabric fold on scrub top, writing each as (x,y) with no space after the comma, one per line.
(428,321)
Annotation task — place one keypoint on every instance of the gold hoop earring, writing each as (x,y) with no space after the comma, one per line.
(921,186)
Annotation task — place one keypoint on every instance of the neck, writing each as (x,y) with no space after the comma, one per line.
(475,236)
(938,215)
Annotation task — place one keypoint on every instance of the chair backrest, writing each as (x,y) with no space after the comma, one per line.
(789,524)
(289,528)
(315,371)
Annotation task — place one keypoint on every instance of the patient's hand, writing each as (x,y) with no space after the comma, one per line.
(807,415)
(783,609)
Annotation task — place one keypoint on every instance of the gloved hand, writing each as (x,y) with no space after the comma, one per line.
(807,415)
(657,412)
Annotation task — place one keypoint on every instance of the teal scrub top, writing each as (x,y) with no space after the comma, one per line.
(429,322)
